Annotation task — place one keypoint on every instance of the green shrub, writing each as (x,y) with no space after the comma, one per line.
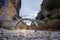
(53,5)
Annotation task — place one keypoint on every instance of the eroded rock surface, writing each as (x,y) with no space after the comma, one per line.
(9,11)
(9,8)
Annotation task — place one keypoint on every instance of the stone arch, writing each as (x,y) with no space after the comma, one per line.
(32,20)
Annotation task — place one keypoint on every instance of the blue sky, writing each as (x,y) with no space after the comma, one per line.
(30,8)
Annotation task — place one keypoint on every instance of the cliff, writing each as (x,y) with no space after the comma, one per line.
(50,11)
(9,11)
(9,8)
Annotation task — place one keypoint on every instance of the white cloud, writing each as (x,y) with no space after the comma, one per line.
(30,8)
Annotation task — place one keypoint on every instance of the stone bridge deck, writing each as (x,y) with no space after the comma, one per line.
(28,35)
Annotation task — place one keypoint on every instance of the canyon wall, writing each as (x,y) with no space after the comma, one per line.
(9,8)
(49,9)
(9,11)
(50,13)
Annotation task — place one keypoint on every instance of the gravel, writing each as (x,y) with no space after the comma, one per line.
(28,35)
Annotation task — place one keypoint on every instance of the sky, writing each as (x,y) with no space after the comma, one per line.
(30,8)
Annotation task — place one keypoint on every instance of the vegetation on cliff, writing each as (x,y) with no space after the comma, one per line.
(50,13)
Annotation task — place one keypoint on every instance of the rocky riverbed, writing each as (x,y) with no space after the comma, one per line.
(28,35)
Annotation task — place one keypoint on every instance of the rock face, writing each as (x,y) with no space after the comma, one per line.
(49,9)
(50,13)
(9,11)
(9,8)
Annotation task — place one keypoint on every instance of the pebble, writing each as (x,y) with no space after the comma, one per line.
(28,35)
